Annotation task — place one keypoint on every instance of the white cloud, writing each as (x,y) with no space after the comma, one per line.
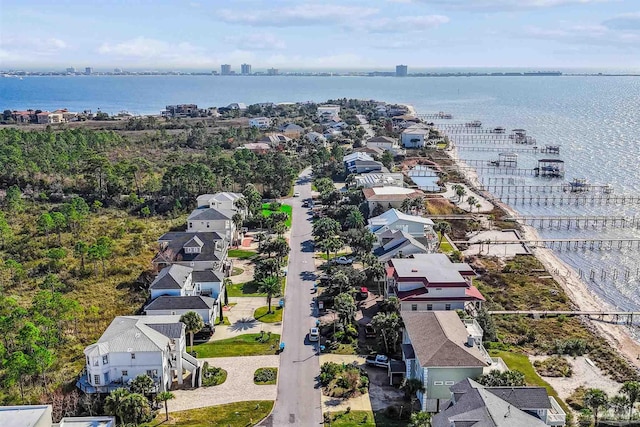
(299,15)
(627,21)
(589,35)
(502,5)
(403,24)
(148,51)
(257,41)
(34,45)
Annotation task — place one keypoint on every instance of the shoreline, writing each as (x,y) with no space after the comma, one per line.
(577,290)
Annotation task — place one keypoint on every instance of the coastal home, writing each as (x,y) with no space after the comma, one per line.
(389,197)
(292,130)
(378,179)
(23,117)
(474,404)
(220,221)
(136,345)
(274,139)
(237,106)
(209,283)
(181,110)
(429,282)
(208,308)
(385,143)
(316,138)
(224,200)
(200,251)
(361,163)
(372,151)
(393,219)
(439,350)
(397,244)
(328,110)
(414,137)
(42,416)
(260,122)
(174,280)
(42,118)
(256,147)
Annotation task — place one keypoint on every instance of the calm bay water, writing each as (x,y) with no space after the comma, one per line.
(595,119)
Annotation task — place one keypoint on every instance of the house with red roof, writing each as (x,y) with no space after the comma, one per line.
(429,282)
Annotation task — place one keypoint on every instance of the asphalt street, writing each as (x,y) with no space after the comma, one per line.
(298,401)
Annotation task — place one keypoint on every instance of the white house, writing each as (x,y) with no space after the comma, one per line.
(439,351)
(389,197)
(225,200)
(209,283)
(260,122)
(198,250)
(328,110)
(213,220)
(393,219)
(208,308)
(360,162)
(379,179)
(429,282)
(136,345)
(174,280)
(397,244)
(42,416)
(316,138)
(386,143)
(414,137)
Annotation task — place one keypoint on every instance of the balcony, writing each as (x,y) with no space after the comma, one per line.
(473,329)
(556,415)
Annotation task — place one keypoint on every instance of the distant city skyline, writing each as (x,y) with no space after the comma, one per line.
(304,35)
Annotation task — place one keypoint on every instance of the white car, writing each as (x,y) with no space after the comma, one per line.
(343,260)
(296,194)
(314,334)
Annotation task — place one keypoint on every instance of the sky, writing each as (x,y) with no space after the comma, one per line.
(314,35)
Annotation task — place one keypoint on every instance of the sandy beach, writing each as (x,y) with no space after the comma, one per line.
(578,291)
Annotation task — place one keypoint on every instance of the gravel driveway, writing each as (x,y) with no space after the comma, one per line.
(238,387)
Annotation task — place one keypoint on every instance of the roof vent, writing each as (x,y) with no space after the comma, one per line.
(129,350)
(470,341)
(414,270)
(137,335)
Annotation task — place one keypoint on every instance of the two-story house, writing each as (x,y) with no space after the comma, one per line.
(378,179)
(389,197)
(260,122)
(211,219)
(415,137)
(386,143)
(416,226)
(208,308)
(439,351)
(397,244)
(224,200)
(429,282)
(174,280)
(474,404)
(359,162)
(136,345)
(198,250)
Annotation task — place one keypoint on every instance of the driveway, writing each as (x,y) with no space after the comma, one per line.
(238,387)
(241,318)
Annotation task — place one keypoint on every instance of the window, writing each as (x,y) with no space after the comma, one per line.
(447,306)
(96,362)
(438,289)
(190,225)
(429,307)
(105,359)
(207,225)
(414,307)
(438,383)
(125,373)
(133,356)
(96,379)
(449,382)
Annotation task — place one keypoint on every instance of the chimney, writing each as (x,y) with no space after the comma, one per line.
(470,341)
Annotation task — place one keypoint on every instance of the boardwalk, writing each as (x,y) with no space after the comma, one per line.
(567,244)
(569,200)
(619,317)
(570,221)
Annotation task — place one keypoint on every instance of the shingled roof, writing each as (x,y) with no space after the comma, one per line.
(167,302)
(439,339)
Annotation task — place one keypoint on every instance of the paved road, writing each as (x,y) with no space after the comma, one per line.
(298,401)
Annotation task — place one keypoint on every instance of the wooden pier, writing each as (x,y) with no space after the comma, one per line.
(435,116)
(617,317)
(500,189)
(576,221)
(568,200)
(533,150)
(567,244)
(495,170)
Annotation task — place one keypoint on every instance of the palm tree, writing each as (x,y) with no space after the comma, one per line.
(331,244)
(271,286)
(113,404)
(354,219)
(193,322)
(346,308)
(443,228)
(420,419)
(460,191)
(411,388)
(164,396)
(142,384)
(135,409)
(471,201)
(619,403)
(595,399)
(406,204)
(631,389)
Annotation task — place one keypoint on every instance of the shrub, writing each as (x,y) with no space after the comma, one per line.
(212,376)
(573,347)
(554,366)
(328,372)
(265,375)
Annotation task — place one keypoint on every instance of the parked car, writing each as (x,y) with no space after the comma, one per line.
(343,260)
(314,334)
(364,292)
(204,334)
(379,360)
(296,194)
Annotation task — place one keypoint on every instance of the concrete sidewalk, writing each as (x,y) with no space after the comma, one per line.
(238,387)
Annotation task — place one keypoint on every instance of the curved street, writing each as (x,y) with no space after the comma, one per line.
(298,401)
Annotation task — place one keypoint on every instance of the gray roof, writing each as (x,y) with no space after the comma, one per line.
(400,240)
(130,334)
(210,214)
(439,339)
(479,407)
(382,139)
(195,242)
(168,302)
(171,277)
(174,252)
(435,268)
(207,276)
(25,415)
(525,398)
(171,330)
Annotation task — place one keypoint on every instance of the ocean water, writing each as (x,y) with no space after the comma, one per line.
(596,120)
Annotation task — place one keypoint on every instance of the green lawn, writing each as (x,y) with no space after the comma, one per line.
(242,345)
(273,317)
(224,322)
(239,414)
(283,208)
(520,362)
(445,246)
(240,253)
(248,289)
(323,255)
(363,419)
(236,271)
